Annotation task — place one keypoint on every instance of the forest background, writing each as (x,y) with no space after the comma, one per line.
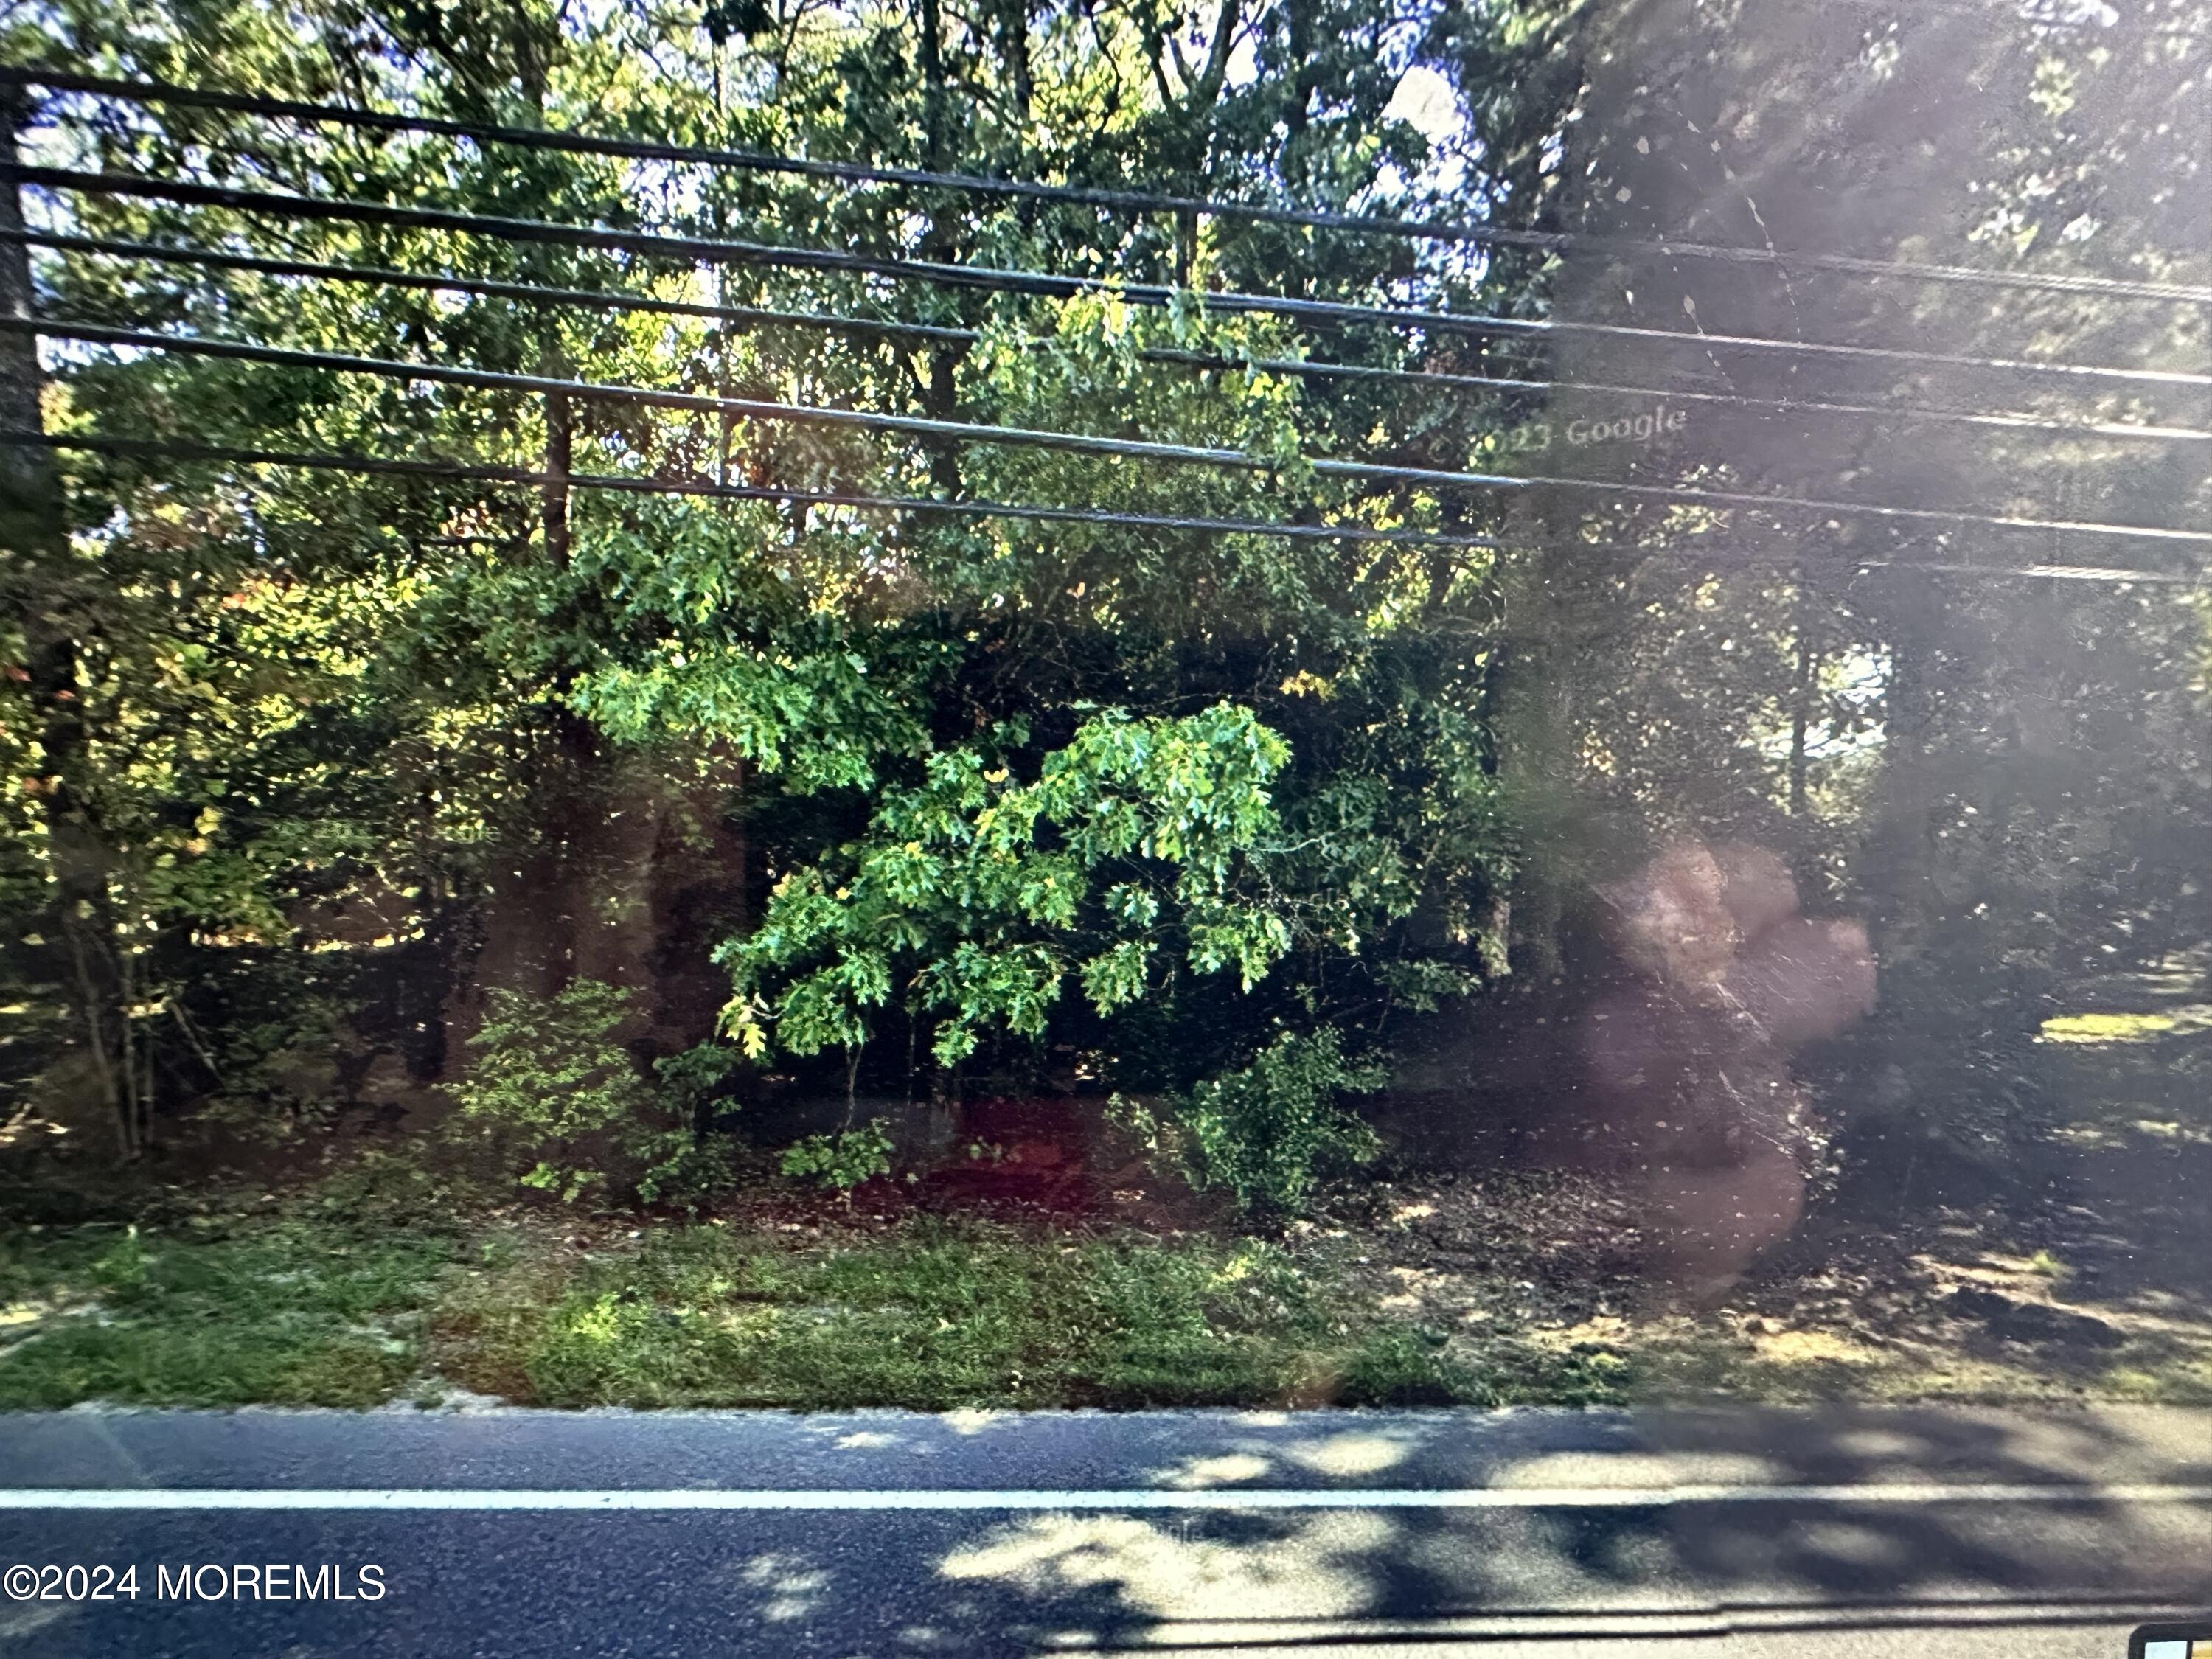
(684,942)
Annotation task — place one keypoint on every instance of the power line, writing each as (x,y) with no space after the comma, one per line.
(709,488)
(489,288)
(379,466)
(2064,572)
(1035,283)
(726,250)
(145,92)
(616,300)
(1078,443)
(747,408)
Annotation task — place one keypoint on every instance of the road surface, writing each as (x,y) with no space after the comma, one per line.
(1834,1534)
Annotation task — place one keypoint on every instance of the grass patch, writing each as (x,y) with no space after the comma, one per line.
(926,1313)
(282,1314)
(938,1315)
(2167,1377)
(930,1315)
(317,1307)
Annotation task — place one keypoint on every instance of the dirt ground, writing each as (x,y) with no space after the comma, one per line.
(2098,1281)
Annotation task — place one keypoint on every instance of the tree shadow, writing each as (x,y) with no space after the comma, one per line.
(995,1582)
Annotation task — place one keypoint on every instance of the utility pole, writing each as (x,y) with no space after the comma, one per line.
(50,603)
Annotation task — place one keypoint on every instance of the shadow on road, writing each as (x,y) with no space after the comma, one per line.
(872,1581)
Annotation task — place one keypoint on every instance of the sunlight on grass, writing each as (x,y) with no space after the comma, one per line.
(926,1313)
(1814,1348)
(277,1315)
(937,1316)
(2171,1378)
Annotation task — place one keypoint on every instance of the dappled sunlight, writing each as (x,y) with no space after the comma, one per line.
(1867,1546)
(972,1422)
(1311,1568)
(1814,1348)
(1876,1445)
(1345,1455)
(1226,1469)
(1640,1470)
(782,781)
(787,1587)
(2099,1029)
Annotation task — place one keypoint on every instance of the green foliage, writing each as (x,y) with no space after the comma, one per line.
(1406,1366)
(976,895)
(930,1316)
(734,656)
(550,1085)
(1207,782)
(1268,1131)
(692,1077)
(842,1161)
(548,1078)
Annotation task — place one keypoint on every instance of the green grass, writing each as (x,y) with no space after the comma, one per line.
(310,1308)
(937,1316)
(926,1313)
(282,1314)
(932,1315)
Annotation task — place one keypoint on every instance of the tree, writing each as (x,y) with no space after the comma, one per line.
(1225,785)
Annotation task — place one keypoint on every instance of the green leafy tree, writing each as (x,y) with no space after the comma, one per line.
(955,770)
(977,896)
(552,1087)
(842,1161)
(550,1081)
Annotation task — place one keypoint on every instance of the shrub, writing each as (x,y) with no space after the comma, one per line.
(553,1087)
(842,1161)
(1270,1130)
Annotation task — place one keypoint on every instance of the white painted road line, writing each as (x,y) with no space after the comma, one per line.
(1218,1497)
(1635,1624)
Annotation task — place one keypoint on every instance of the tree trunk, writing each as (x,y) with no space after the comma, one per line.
(1800,700)
(1014,53)
(560,451)
(55,612)
(932,82)
(941,398)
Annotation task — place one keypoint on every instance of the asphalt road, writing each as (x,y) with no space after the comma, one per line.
(1843,1534)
